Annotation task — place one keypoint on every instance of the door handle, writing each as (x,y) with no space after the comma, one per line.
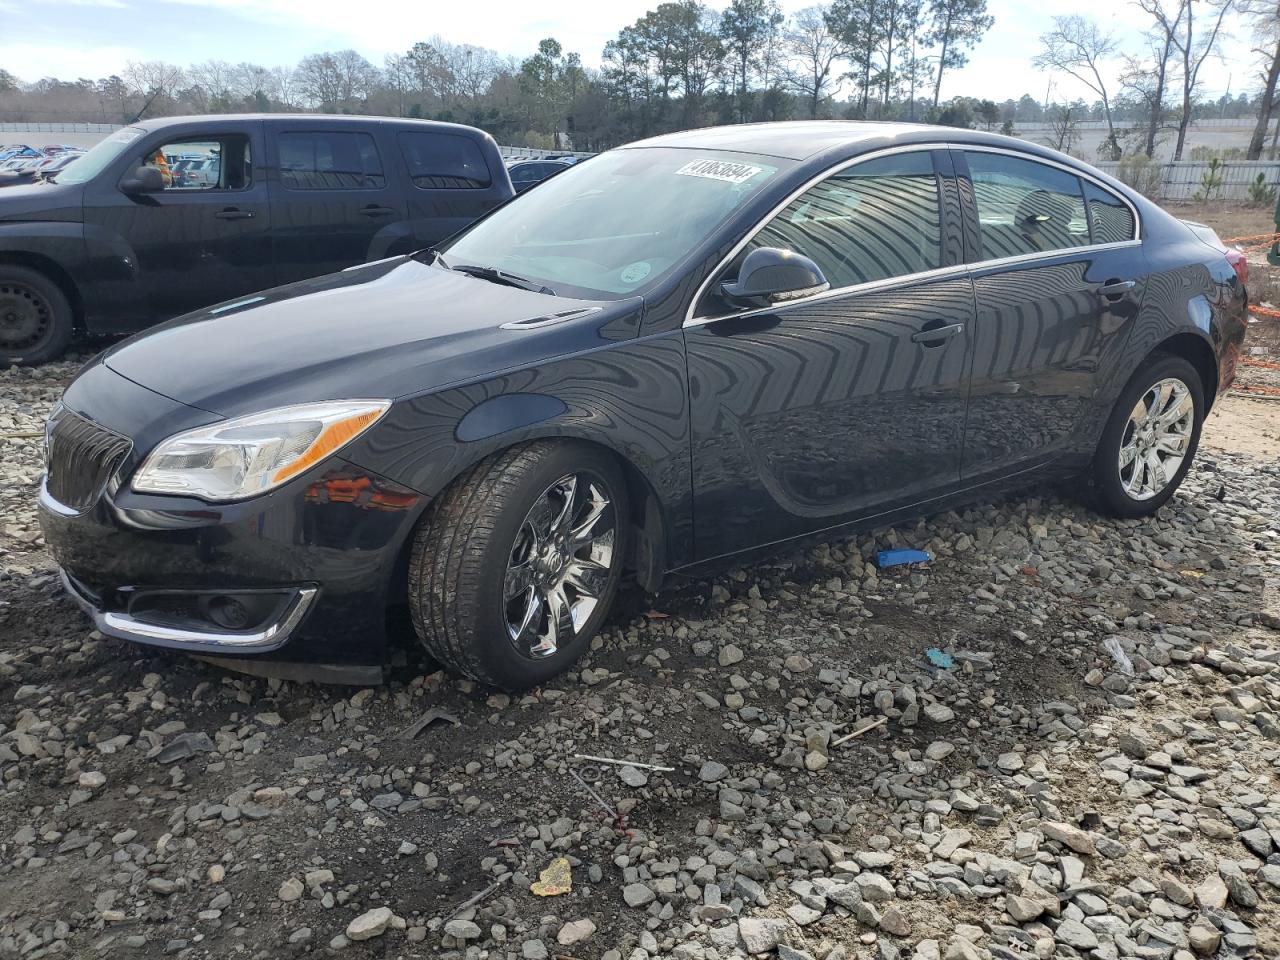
(1115,289)
(937,336)
(375,211)
(231,213)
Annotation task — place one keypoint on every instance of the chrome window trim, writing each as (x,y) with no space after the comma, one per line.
(691,321)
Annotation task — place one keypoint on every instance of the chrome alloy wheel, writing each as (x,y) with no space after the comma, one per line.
(1156,438)
(560,565)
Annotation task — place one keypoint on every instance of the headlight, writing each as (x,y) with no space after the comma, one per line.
(250,455)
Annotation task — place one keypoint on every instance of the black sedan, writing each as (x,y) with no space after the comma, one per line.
(526,174)
(683,351)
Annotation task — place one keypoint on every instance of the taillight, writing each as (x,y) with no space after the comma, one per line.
(1240,264)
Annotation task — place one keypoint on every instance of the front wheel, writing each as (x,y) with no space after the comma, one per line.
(516,567)
(35,317)
(1151,438)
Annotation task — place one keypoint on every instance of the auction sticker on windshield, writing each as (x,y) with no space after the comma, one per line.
(724,170)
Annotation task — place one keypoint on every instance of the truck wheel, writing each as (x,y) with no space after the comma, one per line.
(516,566)
(35,317)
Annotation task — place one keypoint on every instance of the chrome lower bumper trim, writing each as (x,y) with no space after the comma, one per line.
(140,631)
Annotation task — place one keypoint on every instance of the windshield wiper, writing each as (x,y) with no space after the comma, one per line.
(494,275)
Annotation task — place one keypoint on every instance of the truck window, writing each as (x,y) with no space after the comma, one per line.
(443,161)
(330,160)
(224,163)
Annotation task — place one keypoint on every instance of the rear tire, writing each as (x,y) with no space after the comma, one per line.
(532,532)
(36,321)
(1150,439)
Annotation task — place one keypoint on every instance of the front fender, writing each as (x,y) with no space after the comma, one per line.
(631,398)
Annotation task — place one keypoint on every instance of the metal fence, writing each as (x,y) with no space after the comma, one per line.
(1188,179)
(529,153)
(16,127)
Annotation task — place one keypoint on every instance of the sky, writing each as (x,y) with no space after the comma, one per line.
(95,38)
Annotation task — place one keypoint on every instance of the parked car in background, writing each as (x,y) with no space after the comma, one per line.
(678,353)
(529,173)
(17,150)
(118,241)
(57,164)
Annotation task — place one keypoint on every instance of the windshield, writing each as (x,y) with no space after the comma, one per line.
(614,225)
(92,163)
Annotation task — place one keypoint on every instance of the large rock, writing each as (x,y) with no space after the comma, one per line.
(370,924)
(575,931)
(1081,841)
(761,934)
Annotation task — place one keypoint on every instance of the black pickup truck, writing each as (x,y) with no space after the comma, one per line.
(166,216)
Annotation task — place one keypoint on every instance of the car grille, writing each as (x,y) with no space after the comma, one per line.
(82,458)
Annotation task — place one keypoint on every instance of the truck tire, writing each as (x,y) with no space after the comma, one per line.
(35,317)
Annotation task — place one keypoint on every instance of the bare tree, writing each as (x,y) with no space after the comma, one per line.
(1078,47)
(398,73)
(1064,125)
(1265,17)
(150,76)
(1193,49)
(1149,79)
(813,51)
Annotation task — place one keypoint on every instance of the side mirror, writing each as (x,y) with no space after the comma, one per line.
(771,275)
(143,180)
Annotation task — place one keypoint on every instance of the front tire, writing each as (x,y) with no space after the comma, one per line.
(35,318)
(1150,439)
(516,567)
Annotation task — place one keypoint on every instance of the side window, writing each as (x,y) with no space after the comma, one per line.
(1110,217)
(330,160)
(189,165)
(524,173)
(1025,207)
(443,161)
(871,221)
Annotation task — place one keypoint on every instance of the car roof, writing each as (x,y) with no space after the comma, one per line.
(802,139)
(312,119)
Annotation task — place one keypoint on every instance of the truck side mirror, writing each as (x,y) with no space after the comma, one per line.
(143,180)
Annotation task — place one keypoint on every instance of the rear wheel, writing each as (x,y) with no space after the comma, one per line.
(516,567)
(1151,438)
(35,317)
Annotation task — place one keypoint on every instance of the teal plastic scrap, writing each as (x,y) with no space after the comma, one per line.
(940,658)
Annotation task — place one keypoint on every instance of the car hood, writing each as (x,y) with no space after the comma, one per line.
(40,201)
(390,329)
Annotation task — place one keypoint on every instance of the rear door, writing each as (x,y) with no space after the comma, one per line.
(1057,272)
(194,243)
(333,200)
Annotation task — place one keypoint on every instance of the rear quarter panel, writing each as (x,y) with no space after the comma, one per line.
(1191,290)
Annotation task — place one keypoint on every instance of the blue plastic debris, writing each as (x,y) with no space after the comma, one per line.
(940,658)
(894,558)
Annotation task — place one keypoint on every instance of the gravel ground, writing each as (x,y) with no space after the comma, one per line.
(1059,739)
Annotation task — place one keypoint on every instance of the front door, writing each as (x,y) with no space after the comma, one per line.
(1057,271)
(205,238)
(335,202)
(840,406)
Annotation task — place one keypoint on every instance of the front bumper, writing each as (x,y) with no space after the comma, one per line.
(315,563)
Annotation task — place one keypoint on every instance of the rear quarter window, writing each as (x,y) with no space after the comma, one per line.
(443,161)
(1110,217)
